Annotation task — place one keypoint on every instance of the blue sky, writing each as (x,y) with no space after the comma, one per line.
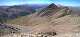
(68,2)
(62,2)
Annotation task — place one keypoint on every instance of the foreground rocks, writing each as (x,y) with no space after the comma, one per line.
(70,34)
(7,29)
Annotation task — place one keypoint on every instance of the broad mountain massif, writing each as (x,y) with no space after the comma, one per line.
(49,21)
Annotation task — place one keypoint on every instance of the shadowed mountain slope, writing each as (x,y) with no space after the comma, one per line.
(12,12)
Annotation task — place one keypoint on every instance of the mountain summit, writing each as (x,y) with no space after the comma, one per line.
(48,10)
(53,6)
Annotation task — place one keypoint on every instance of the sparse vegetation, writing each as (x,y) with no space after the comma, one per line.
(48,22)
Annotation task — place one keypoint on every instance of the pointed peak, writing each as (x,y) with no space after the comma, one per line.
(53,6)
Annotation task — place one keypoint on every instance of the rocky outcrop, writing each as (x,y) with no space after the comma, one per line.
(71,34)
(52,6)
(52,10)
(6,29)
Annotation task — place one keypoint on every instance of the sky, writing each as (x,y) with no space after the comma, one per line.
(40,2)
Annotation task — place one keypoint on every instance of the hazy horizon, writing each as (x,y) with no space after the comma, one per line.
(39,2)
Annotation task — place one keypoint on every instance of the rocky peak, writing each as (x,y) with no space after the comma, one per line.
(49,10)
(53,6)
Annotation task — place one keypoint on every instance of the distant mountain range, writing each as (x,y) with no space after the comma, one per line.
(11,12)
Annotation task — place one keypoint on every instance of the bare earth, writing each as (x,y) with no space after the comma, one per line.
(62,23)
